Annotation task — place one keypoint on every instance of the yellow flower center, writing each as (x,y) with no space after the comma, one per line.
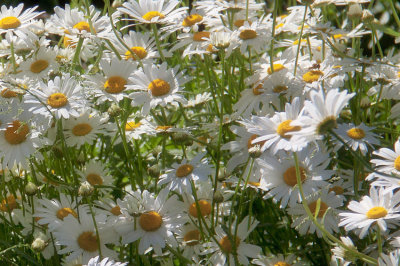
(8,93)
(277,67)
(116,210)
(280,88)
(9,23)
(312,76)
(280,25)
(184,170)
(159,87)
(131,126)
(192,238)
(322,208)
(289,176)
(150,221)
(64,212)
(338,190)
(115,84)
(152,14)
(81,129)
(198,36)
(94,179)
(256,89)
(226,244)
(247,34)
(356,133)
(285,127)
(240,22)
(16,133)
(376,213)
(136,52)
(295,42)
(163,128)
(397,163)
(327,124)
(57,100)
(8,204)
(191,20)
(38,66)
(205,208)
(88,241)
(82,26)
(250,140)
(337,36)
(256,184)
(281,263)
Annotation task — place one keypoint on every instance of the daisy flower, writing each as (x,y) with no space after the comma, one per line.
(254,35)
(15,21)
(194,43)
(326,216)
(40,65)
(61,98)
(378,208)
(276,260)
(96,174)
(390,162)
(104,262)
(149,11)
(321,114)
(157,85)
(357,137)
(341,255)
(223,253)
(74,24)
(135,130)
(179,178)
(79,238)
(20,137)
(157,221)
(273,132)
(190,236)
(142,46)
(392,259)
(85,128)
(52,212)
(205,197)
(111,84)
(279,176)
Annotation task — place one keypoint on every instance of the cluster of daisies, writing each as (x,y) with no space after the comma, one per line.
(158,132)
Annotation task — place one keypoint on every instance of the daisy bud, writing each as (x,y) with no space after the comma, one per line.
(81,159)
(86,189)
(38,245)
(117,3)
(57,151)
(218,197)
(156,151)
(114,110)
(30,189)
(367,16)
(222,175)
(182,138)
(365,102)
(355,11)
(154,171)
(255,151)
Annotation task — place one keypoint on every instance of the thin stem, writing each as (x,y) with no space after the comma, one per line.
(299,44)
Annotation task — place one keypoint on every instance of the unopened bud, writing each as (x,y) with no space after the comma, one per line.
(30,189)
(57,151)
(218,197)
(86,189)
(117,3)
(255,151)
(365,102)
(114,110)
(367,16)
(38,245)
(154,171)
(182,138)
(355,11)
(222,174)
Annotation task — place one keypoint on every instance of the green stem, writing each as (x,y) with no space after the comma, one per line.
(155,31)
(299,44)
